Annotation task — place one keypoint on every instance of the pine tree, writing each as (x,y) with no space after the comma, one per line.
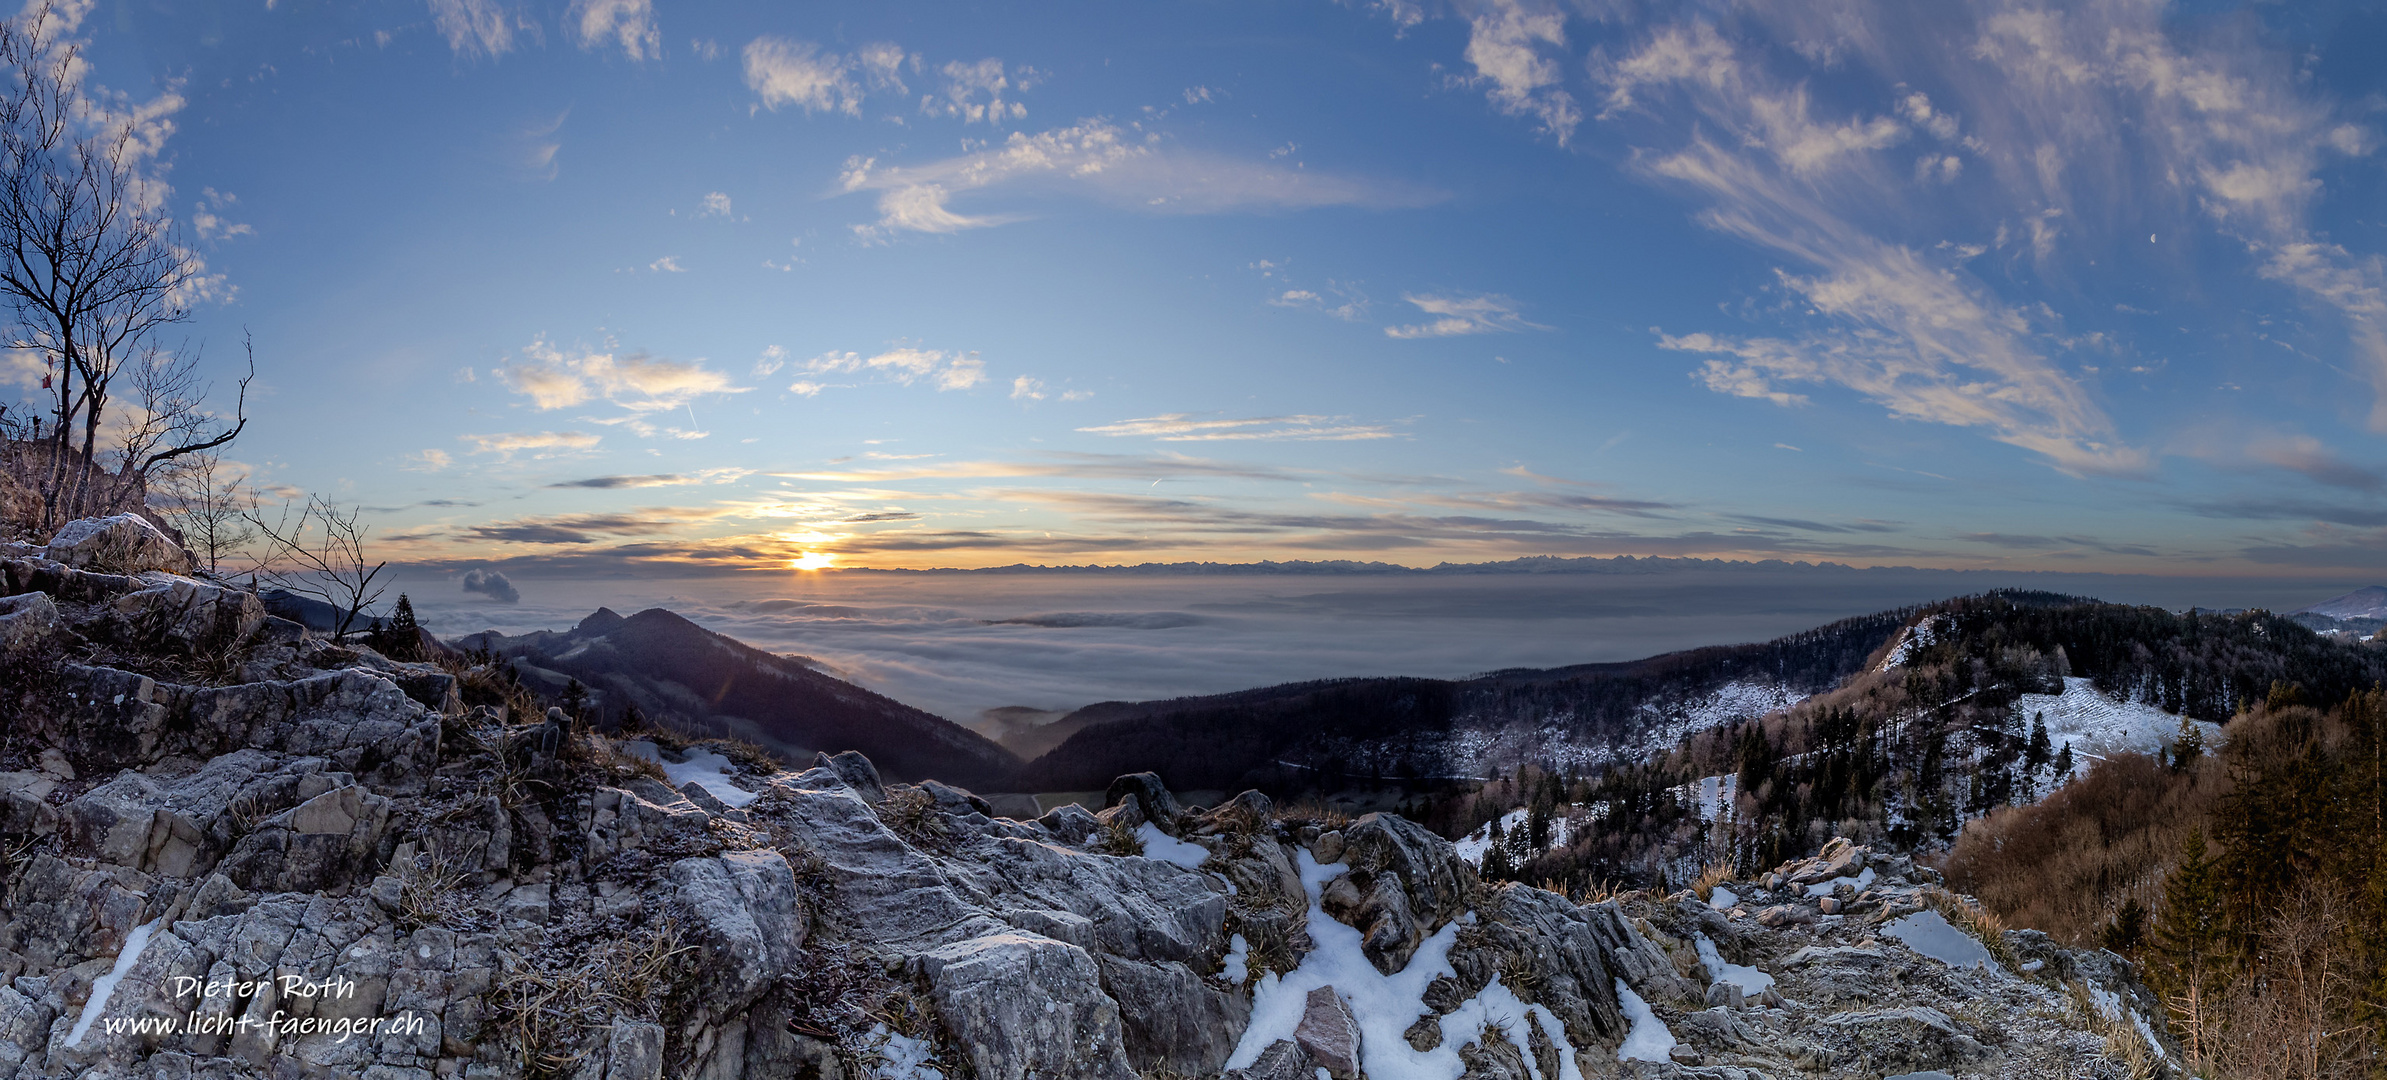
(2187,746)
(2040,750)
(2063,763)
(2190,947)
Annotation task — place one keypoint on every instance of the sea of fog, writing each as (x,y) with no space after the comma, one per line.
(957,644)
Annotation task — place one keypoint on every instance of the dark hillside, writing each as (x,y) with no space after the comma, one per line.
(1232,740)
(675,670)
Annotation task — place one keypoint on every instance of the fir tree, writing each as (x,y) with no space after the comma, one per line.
(2190,961)
(2040,750)
(2187,746)
(2063,763)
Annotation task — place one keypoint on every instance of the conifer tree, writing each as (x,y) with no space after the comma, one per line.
(2040,750)
(2190,949)
(2063,763)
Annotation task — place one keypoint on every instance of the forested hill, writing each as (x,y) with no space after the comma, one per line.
(1937,733)
(1407,726)
(675,670)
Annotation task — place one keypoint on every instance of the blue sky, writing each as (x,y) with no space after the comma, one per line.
(627,287)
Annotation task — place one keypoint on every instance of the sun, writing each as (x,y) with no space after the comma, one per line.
(813,560)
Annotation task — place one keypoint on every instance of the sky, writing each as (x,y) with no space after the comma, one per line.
(619,288)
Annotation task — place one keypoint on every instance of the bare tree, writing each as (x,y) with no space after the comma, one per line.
(204,498)
(90,266)
(321,555)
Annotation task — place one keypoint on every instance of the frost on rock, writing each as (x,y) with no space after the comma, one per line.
(1649,1040)
(1927,933)
(2110,1004)
(1722,899)
(1169,849)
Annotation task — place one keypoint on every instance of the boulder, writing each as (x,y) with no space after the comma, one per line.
(748,918)
(1901,1040)
(1329,1034)
(1174,1021)
(1022,1006)
(1282,1060)
(185,616)
(26,619)
(123,544)
(1153,799)
(1404,883)
(858,773)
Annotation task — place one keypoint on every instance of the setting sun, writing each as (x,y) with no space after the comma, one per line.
(812,560)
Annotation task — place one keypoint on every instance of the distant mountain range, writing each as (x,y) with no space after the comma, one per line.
(1532,564)
(693,678)
(2363,611)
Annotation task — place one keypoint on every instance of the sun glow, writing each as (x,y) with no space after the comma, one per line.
(813,560)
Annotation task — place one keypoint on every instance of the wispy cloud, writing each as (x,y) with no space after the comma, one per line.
(706,476)
(974,92)
(1109,163)
(627,24)
(801,74)
(1077,465)
(589,528)
(555,379)
(903,366)
(1490,313)
(1518,50)
(474,27)
(1188,427)
(539,443)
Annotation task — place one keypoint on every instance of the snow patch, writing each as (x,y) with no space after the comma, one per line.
(704,768)
(1236,967)
(1649,1040)
(2099,726)
(900,1057)
(2111,1005)
(106,984)
(1825,888)
(1912,640)
(1927,933)
(1722,899)
(1751,981)
(1386,1005)
(1475,845)
(1169,849)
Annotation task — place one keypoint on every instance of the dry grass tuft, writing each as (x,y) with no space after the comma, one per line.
(2123,1043)
(547,1014)
(1715,874)
(1118,839)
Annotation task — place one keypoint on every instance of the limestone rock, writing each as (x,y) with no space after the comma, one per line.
(634,1052)
(746,912)
(1024,1006)
(1282,1060)
(123,544)
(1329,1033)
(26,619)
(185,616)
(1173,1020)
(1153,799)
(858,774)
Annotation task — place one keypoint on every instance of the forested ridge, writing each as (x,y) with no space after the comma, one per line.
(1229,740)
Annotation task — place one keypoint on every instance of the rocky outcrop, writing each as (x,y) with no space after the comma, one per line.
(408,889)
(124,544)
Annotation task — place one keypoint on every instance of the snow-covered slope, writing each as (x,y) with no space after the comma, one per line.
(2097,725)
